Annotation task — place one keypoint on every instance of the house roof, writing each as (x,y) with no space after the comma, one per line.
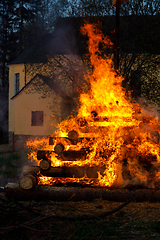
(50,82)
(138,34)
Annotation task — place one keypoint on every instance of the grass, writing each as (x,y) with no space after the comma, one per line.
(20,223)
(10,164)
(60,220)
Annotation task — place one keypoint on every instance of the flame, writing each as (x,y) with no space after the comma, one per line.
(118,135)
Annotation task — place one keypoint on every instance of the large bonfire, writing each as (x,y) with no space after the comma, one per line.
(116,133)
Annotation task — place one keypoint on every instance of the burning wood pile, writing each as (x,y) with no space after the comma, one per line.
(111,142)
(83,174)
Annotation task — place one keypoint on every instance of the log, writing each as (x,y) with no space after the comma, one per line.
(31,170)
(43,154)
(45,164)
(76,172)
(53,140)
(59,148)
(63,155)
(44,193)
(73,155)
(28,182)
(34,170)
(70,172)
(73,135)
(82,122)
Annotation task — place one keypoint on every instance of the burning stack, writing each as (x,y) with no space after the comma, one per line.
(45,168)
(112,141)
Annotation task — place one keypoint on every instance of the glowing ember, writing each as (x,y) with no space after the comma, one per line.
(115,131)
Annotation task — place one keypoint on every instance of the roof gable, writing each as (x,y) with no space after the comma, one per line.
(49,82)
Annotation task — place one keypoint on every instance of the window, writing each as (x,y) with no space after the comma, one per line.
(37,118)
(16,83)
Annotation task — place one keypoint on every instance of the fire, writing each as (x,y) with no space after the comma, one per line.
(115,131)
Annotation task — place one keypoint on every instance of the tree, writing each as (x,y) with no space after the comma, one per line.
(16,19)
(139,38)
(139,48)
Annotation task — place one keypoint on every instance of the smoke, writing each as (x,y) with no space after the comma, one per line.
(63,40)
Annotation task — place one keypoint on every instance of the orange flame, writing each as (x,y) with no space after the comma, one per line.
(119,136)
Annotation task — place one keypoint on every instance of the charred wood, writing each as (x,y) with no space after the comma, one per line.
(63,155)
(70,172)
(59,148)
(73,135)
(73,155)
(45,164)
(43,154)
(51,172)
(53,140)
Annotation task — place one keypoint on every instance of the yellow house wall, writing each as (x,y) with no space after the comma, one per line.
(23,105)
(13,69)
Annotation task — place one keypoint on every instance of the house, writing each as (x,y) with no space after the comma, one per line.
(43,83)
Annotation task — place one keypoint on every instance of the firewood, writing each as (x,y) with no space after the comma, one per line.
(82,122)
(53,172)
(77,172)
(53,140)
(59,148)
(33,170)
(45,164)
(73,135)
(73,155)
(12,185)
(43,154)
(28,182)
(70,172)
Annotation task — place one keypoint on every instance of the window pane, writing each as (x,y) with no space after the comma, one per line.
(37,118)
(16,82)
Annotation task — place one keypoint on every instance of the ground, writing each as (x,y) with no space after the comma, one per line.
(76,220)
(68,220)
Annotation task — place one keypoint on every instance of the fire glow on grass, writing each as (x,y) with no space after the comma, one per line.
(118,135)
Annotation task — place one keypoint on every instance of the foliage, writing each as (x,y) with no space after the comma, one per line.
(15,16)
